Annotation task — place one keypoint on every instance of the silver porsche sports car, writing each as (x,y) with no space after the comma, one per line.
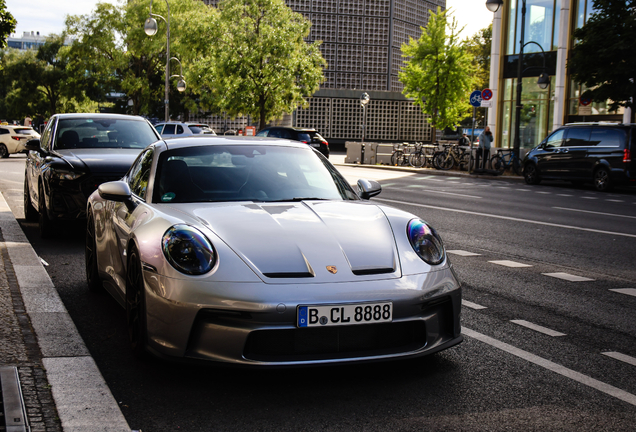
(253,251)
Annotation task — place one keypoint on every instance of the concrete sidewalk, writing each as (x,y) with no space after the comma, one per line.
(62,387)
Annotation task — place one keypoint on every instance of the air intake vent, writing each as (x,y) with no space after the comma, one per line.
(288,275)
(365,272)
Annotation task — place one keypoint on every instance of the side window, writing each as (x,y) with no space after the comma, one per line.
(555,139)
(159,128)
(577,137)
(3,131)
(608,137)
(45,140)
(140,174)
(274,133)
(284,133)
(179,129)
(262,133)
(168,129)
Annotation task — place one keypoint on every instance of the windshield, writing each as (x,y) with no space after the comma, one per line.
(24,131)
(247,173)
(200,129)
(103,133)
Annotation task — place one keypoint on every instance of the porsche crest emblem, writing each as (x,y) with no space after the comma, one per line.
(332,269)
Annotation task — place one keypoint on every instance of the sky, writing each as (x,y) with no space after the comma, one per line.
(47,16)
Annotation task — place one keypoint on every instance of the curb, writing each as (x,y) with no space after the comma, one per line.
(82,397)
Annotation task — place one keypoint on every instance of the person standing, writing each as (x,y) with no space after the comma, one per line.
(485,140)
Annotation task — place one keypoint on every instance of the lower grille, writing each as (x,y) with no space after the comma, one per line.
(335,342)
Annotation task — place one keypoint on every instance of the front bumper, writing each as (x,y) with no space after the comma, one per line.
(255,324)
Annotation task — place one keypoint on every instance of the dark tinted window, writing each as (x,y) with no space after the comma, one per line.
(179,129)
(274,133)
(140,173)
(285,133)
(304,137)
(263,133)
(103,133)
(24,131)
(556,139)
(3,131)
(607,137)
(200,129)
(577,136)
(159,128)
(168,129)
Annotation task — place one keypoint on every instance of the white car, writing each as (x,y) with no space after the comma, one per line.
(14,137)
(180,130)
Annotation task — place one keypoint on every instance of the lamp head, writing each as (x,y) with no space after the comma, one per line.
(364,99)
(544,81)
(150,26)
(493,5)
(181,85)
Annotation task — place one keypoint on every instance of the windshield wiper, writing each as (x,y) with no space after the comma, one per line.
(297,199)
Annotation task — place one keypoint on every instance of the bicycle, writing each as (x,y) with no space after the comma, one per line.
(452,155)
(505,159)
(422,155)
(401,155)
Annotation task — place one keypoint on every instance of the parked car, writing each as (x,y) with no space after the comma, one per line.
(13,138)
(76,153)
(598,153)
(306,135)
(180,130)
(259,253)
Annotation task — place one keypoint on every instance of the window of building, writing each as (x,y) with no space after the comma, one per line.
(541,25)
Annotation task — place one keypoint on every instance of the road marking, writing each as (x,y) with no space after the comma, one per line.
(388,184)
(554,367)
(443,192)
(523,190)
(545,193)
(568,277)
(628,291)
(538,328)
(621,357)
(462,253)
(594,212)
(473,305)
(506,218)
(564,195)
(614,200)
(506,263)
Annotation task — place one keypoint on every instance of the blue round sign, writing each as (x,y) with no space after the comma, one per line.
(475,98)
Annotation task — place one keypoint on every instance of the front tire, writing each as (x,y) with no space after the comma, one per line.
(602,180)
(90,257)
(45,224)
(30,213)
(136,305)
(531,174)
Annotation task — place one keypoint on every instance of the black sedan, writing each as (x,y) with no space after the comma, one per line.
(76,153)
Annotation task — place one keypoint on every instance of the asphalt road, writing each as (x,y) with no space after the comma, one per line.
(548,317)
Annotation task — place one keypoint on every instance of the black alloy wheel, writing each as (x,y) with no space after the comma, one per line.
(90,256)
(602,181)
(4,153)
(46,224)
(30,213)
(136,305)
(531,174)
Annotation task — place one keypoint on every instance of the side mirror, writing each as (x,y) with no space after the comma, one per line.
(117,191)
(33,145)
(368,188)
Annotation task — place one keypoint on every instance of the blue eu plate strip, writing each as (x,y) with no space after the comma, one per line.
(302,316)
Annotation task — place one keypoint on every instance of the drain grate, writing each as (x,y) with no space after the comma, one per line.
(13,413)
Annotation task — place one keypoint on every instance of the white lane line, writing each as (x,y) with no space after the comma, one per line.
(442,192)
(613,200)
(507,263)
(564,195)
(568,277)
(462,253)
(628,291)
(621,357)
(554,367)
(589,197)
(505,217)
(523,190)
(594,212)
(544,193)
(537,328)
(473,305)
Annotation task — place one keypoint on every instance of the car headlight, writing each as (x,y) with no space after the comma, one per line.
(188,250)
(425,241)
(58,174)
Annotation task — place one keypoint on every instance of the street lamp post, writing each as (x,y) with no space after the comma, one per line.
(543,81)
(150,27)
(364,100)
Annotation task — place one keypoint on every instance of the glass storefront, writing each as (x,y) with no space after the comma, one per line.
(541,26)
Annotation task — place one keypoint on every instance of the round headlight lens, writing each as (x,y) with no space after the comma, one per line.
(188,250)
(425,241)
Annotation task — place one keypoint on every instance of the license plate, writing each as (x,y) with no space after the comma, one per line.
(347,314)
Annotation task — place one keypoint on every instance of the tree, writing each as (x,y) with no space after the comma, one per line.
(478,47)
(603,57)
(259,63)
(7,24)
(112,53)
(437,73)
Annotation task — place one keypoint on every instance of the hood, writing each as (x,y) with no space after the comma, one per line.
(101,160)
(309,240)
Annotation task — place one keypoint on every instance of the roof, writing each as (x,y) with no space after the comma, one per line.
(206,140)
(99,116)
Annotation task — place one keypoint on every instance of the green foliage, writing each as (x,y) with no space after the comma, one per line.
(478,47)
(258,62)
(7,24)
(438,71)
(603,57)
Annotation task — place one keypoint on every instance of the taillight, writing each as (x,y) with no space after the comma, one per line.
(627,156)
(17,138)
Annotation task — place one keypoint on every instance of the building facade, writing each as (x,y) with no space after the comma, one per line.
(361,42)
(549,25)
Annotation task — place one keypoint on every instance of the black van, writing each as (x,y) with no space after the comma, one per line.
(600,153)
